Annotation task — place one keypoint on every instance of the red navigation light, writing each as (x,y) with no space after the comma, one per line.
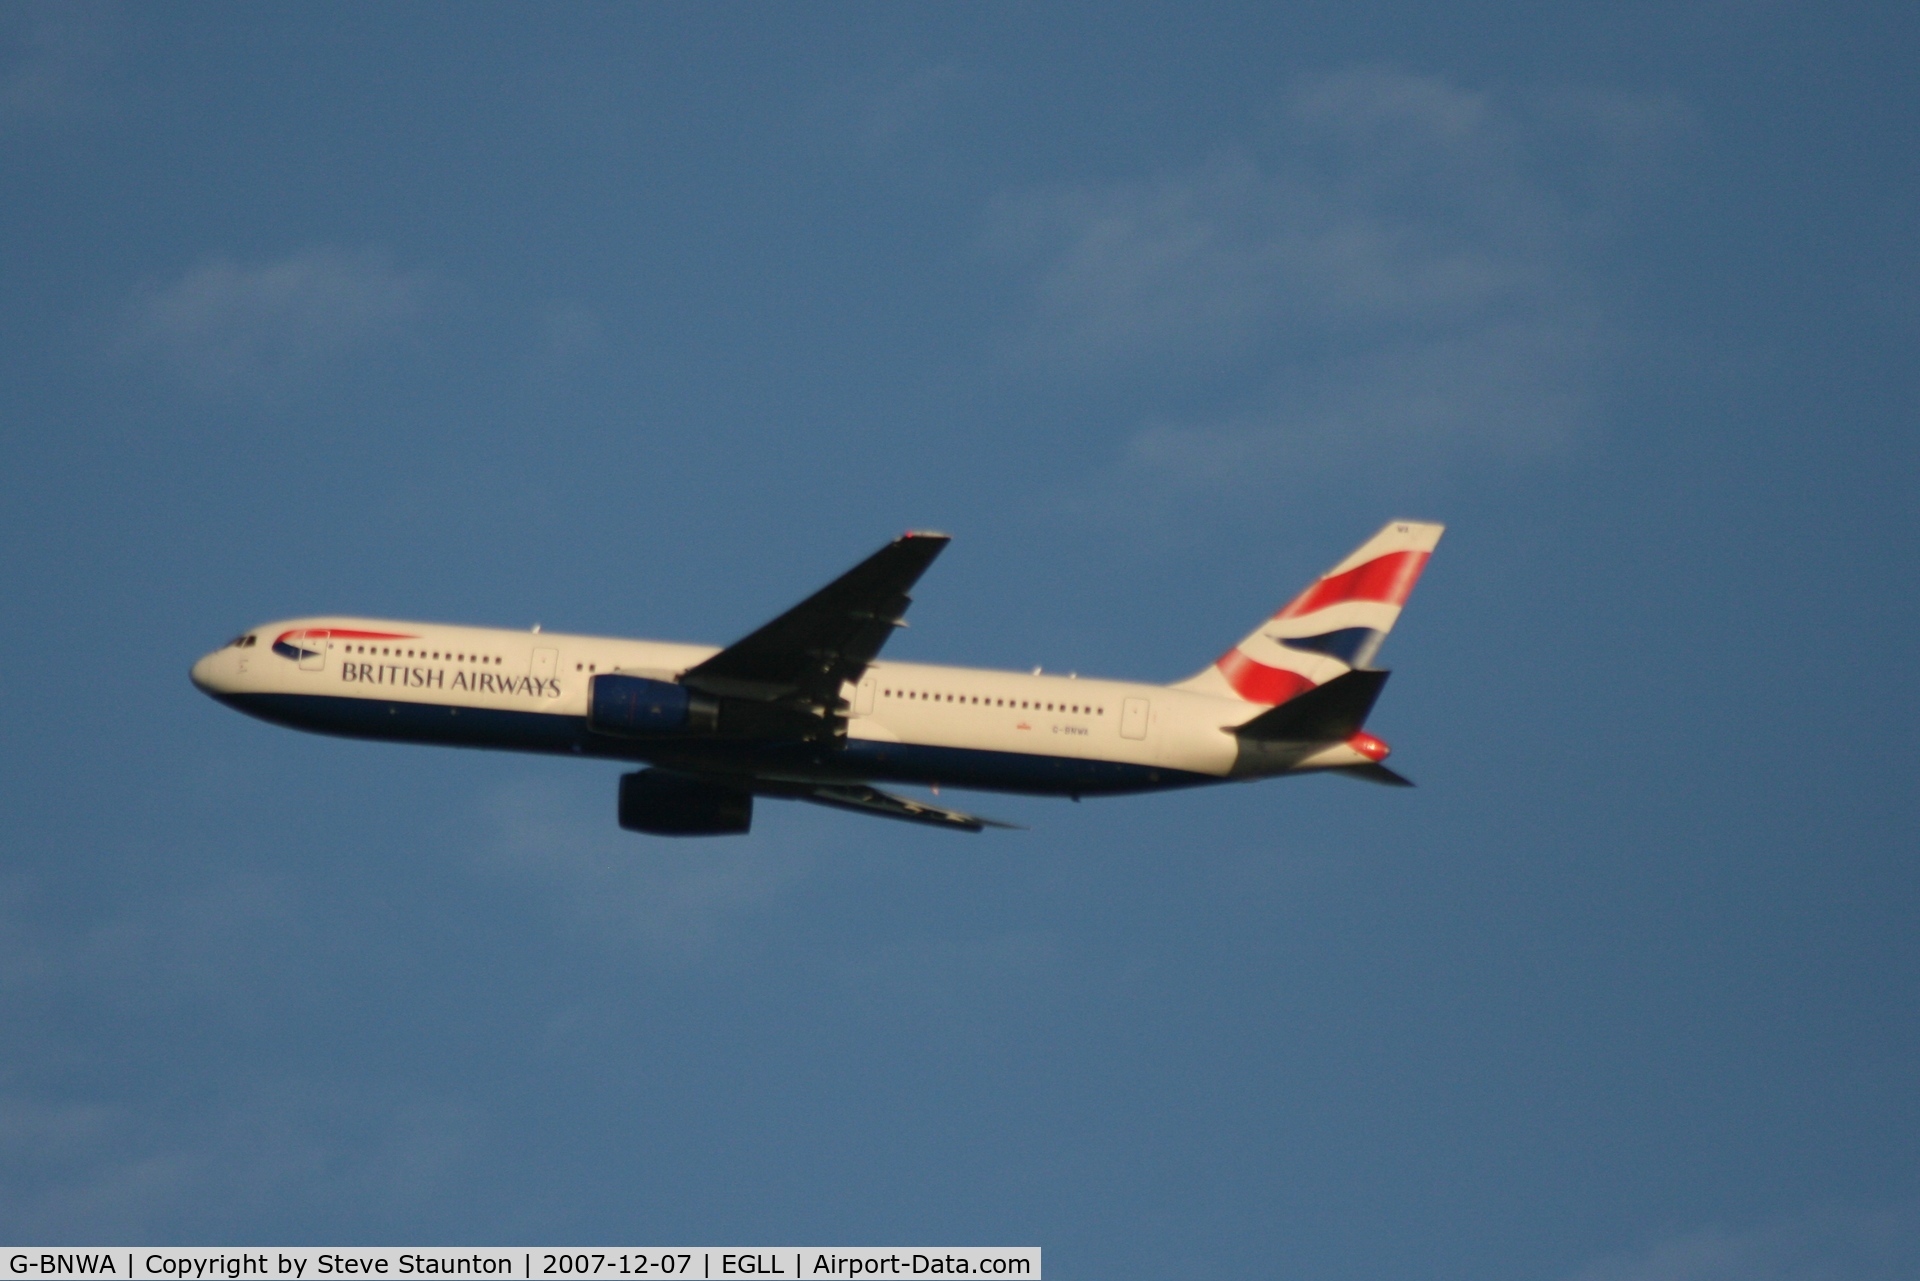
(1369,746)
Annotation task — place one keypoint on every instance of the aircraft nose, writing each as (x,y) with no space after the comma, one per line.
(202,673)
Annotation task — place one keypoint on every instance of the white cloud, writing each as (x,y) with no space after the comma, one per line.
(901,100)
(1512,388)
(570,331)
(87,1153)
(182,940)
(1383,271)
(227,326)
(677,897)
(1848,1245)
(90,1173)
(56,61)
(35,1132)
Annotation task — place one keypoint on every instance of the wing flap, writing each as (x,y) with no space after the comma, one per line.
(871,800)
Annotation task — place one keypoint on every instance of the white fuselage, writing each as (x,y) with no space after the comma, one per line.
(913,722)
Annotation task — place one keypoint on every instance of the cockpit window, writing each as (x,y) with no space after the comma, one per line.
(241,642)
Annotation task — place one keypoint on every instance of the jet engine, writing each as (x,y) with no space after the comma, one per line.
(666,804)
(636,707)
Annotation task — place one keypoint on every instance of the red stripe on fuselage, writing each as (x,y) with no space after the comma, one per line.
(343,633)
(1258,683)
(1387,579)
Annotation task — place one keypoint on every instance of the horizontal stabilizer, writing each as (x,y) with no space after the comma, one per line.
(1330,713)
(1375,772)
(871,800)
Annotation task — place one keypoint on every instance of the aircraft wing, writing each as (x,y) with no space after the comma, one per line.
(871,800)
(830,637)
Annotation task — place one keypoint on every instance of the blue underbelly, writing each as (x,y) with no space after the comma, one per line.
(860,760)
(1008,771)
(435,723)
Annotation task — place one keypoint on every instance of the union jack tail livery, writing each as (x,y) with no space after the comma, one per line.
(1330,629)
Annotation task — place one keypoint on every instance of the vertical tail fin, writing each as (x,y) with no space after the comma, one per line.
(1333,627)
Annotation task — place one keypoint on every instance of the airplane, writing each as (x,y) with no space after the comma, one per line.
(803,708)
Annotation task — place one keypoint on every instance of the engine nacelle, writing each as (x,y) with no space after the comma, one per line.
(664,804)
(640,708)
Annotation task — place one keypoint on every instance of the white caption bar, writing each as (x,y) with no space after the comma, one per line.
(303,1263)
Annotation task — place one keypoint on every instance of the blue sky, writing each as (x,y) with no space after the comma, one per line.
(647,321)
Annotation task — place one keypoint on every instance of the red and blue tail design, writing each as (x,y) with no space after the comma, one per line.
(1331,628)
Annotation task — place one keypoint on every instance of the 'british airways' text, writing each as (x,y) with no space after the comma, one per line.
(440,678)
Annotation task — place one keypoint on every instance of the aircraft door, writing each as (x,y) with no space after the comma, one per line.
(544,663)
(1133,718)
(863,695)
(313,652)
